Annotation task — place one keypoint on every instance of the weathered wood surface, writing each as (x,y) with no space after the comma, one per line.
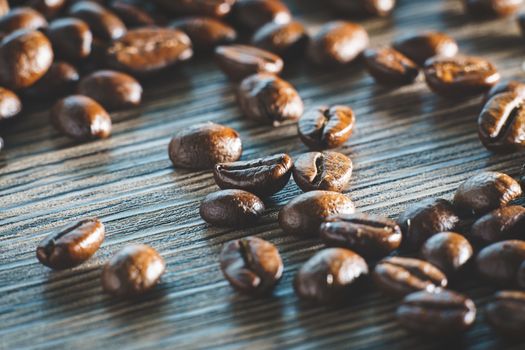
(409,145)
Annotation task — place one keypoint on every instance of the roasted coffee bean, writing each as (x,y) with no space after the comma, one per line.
(448,251)
(304,214)
(371,236)
(113,90)
(287,40)
(49,8)
(253,14)
(133,271)
(263,176)
(501,124)
(205,32)
(521,276)
(499,263)
(25,56)
(491,8)
(71,245)
(4,7)
(71,38)
(337,43)
(241,61)
(329,171)
(201,146)
(60,80)
(21,18)
(389,66)
(485,192)
(103,23)
(214,8)
(251,265)
(440,314)
(371,7)
(500,224)
(506,313)
(506,86)
(133,16)
(397,277)
(10,105)
(326,127)
(422,46)
(426,218)
(331,276)
(149,50)
(231,208)
(81,118)
(269,99)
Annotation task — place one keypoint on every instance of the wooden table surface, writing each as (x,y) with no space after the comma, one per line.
(409,145)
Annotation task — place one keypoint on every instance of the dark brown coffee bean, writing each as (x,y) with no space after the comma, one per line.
(214,8)
(81,118)
(426,218)
(201,146)
(4,7)
(499,263)
(205,32)
(420,47)
(71,245)
(253,14)
(440,314)
(269,99)
(448,251)
(287,40)
(485,192)
(337,43)
(133,16)
(149,50)
(369,235)
(25,56)
(326,127)
(506,86)
(358,7)
(113,90)
(71,38)
(231,208)
(241,61)
(500,224)
(506,313)
(304,214)
(263,176)
(251,265)
(48,8)
(10,105)
(492,8)
(21,18)
(329,171)
(330,276)
(103,23)
(133,271)
(60,80)
(521,276)
(389,66)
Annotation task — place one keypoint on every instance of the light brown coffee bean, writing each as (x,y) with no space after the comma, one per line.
(422,46)
(389,66)
(448,251)
(10,105)
(22,18)
(241,61)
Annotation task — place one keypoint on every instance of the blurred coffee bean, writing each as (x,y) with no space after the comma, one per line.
(103,23)
(205,32)
(499,263)
(420,47)
(389,66)
(21,18)
(241,61)
(492,8)
(253,14)
(506,313)
(515,86)
(10,105)
(71,38)
(358,7)
(231,208)
(60,80)
(214,8)
(500,224)
(448,251)
(287,40)
(48,8)
(132,15)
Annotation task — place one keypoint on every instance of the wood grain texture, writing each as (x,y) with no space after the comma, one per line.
(409,145)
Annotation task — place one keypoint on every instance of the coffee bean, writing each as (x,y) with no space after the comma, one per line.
(460,75)
(492,8)
(10,105)
(448,251)
(484,192)
(60,80)
(440,314)
(329,171)
(389,66)
(149,50)
(231,208)
(205,32)
(201,146)
(397,276)
(48,8)
(499,263)
(214,8)
(264,176)
(331,276)
(371,236)
(71,38)
(304,214)
(337,43)
(253,14)
(422,46)
(241,61)
(371,7)
(103,23)
(506,86)
(21,18)
(287,40)
(426,218)
(521,276)
(132,15)
(251,265)
(506,313)
(113,90)
(500,224)
(81,118)
(71,245)
(269,99)
(132,271)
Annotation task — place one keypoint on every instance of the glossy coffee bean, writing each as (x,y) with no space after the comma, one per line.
(420,47)
(213,8)
(287,40)
(440,314)
(251,265)
(71,38)
(448,251)
(358,7)
(499,263)
(201,146)
(491,8)
(263,176)
(371,236)
(484,192)
(71,245)
(21,18)
(231,208)
(269,99)
(331,276)
(48,8)
(389,66)
(521,276)
(206,33)
(506,313)
(329,171)
(10,105)
(337,43)
(498,225)
(132,15)
(326,127)
(149,50)
(81,118)
(397,277)
(132,271)
(426,218)
(253,14)
(515,86)
(304,214)
(60,80)
(241,61)
(103,23)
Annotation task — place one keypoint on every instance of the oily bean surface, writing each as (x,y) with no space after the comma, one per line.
(60,80)
(206,33)
(499,262)
(515,86)
(22,18)
(390,67)
(506,313)
(213,8)
(253,14)
(420,47)
(10,105)
(499,225)
(241,61)
(71,38)
(448,251)
(287,40)
(231,208)
(103,23)
(379,8)
(492,8)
